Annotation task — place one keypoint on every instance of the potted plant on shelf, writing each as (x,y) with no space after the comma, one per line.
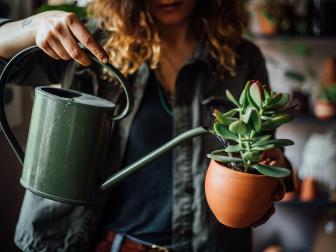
(325,103)
(239,184)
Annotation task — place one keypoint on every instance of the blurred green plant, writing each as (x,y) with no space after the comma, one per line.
(79,11)
(327,93)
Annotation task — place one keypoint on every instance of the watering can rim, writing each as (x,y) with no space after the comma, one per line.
(78,99)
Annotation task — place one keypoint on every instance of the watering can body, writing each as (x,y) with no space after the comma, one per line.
(66,144)
(68,138)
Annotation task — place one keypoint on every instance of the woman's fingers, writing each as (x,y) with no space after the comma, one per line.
(43,43)
(85,37)
(48,50)
(68,44)
(57,46)
(280,191)
(59,33)
(274,156)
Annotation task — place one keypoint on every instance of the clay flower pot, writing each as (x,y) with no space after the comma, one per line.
(238,199)
(324,110)
(308,189)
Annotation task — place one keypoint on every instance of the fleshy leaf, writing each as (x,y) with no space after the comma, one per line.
(223,119)
(263,147)
(243,97)
(262,138)
(247,115)
(224,132)
(238,127)
(256,120)
(224,159)
(276,142)
(269,125)
(234,148)
(256,93)
(253,156)
(231,112)
(267,92)
(272,171)
(281,119)
(231,98)
(280,103)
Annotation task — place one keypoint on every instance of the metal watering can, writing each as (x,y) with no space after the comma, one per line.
(67,139)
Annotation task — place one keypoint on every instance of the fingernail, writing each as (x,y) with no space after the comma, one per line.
(105,60)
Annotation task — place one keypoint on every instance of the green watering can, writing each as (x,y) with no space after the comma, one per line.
(67,139)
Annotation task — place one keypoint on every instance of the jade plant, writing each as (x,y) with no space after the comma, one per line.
(247,130)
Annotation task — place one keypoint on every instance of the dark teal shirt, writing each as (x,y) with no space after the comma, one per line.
(141,205)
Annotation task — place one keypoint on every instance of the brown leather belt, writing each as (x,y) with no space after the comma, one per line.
(128,245)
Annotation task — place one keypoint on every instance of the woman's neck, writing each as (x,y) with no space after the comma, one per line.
(177,46)
(175,36)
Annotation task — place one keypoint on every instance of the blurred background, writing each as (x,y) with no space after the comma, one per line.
(298,40)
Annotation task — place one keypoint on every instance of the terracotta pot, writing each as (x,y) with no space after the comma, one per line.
(237,199)
(308,189)
(267,27)
(324,110)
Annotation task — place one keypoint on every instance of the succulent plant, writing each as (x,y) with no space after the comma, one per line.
(247,129)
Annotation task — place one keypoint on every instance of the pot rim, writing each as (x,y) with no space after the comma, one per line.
(240,173)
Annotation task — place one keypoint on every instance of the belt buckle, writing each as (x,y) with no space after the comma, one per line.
(159,248)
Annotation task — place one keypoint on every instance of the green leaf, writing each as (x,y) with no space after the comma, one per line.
(253,156)
(281,119)
(269,125)
(262,138)
(218,151)
(231,98)
(224,132)
(238,127)
(224,159)
(256,93)
(267,92)
(276,142)
(272,171)
(231,112)
(234,148)
(280,103)
(247,115)
(256,120)
(275,98)
(263,147)
(266,118)
(223,119)
(243,97)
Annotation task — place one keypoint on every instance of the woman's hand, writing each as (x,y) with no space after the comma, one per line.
(273,157)
(57,33)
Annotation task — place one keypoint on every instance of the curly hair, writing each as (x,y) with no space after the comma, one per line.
(135,38)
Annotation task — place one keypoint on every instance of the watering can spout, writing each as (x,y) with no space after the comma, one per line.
(130,169)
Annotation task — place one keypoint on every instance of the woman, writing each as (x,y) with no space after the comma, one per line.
(179,56)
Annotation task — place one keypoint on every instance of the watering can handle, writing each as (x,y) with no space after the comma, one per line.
(3,80)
